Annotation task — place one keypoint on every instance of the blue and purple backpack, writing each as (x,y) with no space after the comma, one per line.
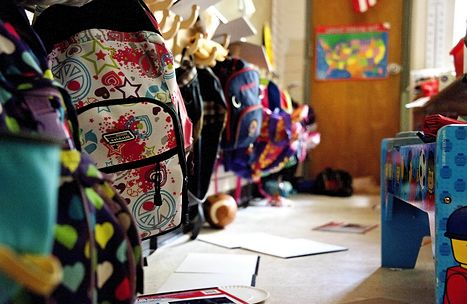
(241,84)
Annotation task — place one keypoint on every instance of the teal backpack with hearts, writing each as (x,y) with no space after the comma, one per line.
(66,236)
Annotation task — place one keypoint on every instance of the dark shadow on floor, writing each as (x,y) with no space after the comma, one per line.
(395,286)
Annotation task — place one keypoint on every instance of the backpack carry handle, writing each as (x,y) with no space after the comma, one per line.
(273,95)
(120,15)
(44,104)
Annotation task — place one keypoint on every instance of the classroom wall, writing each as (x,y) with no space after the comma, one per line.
(231,10)
(288,23)
(289,33)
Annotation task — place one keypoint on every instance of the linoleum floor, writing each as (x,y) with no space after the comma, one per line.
(353,276)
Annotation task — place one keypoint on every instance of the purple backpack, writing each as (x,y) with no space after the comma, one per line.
(275,146)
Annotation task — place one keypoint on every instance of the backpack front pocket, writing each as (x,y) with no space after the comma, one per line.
(139,141)
(248,126)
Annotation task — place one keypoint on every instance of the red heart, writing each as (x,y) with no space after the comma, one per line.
(123,291)
(120,187)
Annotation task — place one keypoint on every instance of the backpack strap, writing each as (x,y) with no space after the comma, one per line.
(238,190)
(39,273)
(44,104)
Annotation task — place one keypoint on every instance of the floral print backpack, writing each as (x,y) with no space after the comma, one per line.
(133,122)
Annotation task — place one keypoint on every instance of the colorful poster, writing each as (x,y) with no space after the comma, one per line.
(351,52)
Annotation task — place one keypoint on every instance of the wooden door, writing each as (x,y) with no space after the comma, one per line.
(355,115)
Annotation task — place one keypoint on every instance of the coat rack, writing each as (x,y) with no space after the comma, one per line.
(184,33)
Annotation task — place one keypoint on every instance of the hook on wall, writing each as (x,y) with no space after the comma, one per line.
(165,14)
(226,38)
(193,46)
(169,34)
(156,5)
(209,60)
(190,21)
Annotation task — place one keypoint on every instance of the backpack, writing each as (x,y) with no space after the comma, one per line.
(132,119)
(333,182)
(215,113)
(304,126)
(188,82)
(88,228)
(274,147)
(206,150)
(206,108)
(240,82)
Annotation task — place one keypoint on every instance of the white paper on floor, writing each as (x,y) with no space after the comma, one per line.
(219,263)
(179,281)
(204,270)
(270,244)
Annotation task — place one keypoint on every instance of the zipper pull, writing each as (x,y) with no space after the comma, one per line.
(157,188)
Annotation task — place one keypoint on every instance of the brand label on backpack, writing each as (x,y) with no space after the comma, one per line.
(118,137)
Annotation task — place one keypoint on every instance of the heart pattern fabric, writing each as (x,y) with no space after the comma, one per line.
(96,238)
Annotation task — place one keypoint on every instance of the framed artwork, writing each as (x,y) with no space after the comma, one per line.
(352,52)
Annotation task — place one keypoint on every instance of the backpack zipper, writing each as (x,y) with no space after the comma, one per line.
(140,163)
(165,106)
(157,182)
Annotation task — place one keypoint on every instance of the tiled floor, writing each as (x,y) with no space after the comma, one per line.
(352,276)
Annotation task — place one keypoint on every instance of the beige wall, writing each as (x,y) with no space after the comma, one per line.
(288,22)
(417,54)
(289,40)
(229,9)
(262,14)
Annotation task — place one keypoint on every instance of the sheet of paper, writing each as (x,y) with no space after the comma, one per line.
(277,246)
(230,241)
(288,248)
(345,227)
(219,263)
(186,281)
